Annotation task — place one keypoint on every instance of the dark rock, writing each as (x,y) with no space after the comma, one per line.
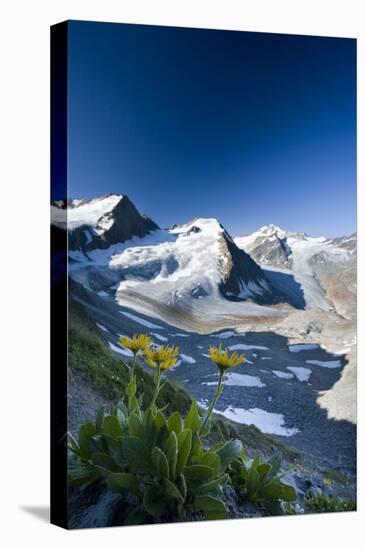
(92,506)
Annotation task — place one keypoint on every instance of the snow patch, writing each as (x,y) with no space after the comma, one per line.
(94,213)
(187,358)
(244,347)
(121,350)
(326,364)
(237,379)
(301,373)
(226,334)
(140,320)
(159,336)
(267,422)
(295,348)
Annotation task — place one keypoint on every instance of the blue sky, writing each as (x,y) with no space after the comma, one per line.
(250,128)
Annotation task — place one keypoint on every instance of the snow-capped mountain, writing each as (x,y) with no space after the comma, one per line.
(191,270)
(197,269)
(325,268)
(100,222)
(273,246)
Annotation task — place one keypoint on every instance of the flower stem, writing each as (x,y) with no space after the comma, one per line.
(133,365)
(212,404)
(157,387)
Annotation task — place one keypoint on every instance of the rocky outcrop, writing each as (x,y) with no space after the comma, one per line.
(242,277)
(120,223)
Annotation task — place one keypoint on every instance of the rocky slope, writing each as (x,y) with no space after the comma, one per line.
(100,222)
(325,268)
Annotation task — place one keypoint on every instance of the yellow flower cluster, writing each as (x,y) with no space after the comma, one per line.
(138,342)
(164,357)
(223,359)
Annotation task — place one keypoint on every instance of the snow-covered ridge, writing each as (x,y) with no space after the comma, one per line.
(180,269)
(280,251)
(94,213)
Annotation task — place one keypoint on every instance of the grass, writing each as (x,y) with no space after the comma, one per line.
(89,355)
(324,504)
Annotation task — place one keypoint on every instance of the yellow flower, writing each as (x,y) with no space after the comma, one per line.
(138,342)
(164,357)
(223,359)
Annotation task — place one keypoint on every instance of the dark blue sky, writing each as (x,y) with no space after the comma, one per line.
(250,128)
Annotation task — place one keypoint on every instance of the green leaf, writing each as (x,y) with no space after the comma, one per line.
(229,452)
(263,470)
(121,417)
(197,450)
(182,486)
(172,490)
(134,404)
(207,428)
(160,462)
(86,431)
(104,460)
(122,482)
(148,420)
(99,420)
(131,388)
(272,491)
(256,462)
(98,444)
(212,460)
(162,436)
(184,448)
(252,482)
(275,462)
(149,429)
(154,501)
(211,486)
(198,471)
(159,420)
(212,508)
(138,516)
(112,427)
(171,450)
(192,421)
(122,406)
(288,493)
(135,426)
(175,423)
(136,453)
(81,473)
(73,444)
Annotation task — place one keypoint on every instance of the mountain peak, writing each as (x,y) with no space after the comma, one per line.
(100,222)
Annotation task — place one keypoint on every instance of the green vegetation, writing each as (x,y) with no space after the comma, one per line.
(260,482)
(160,460)
(315,504)
(133,446)
(89,355)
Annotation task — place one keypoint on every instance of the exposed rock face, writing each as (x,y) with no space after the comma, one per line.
(275,252)
(327,267)
(241,275)
(102,222)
